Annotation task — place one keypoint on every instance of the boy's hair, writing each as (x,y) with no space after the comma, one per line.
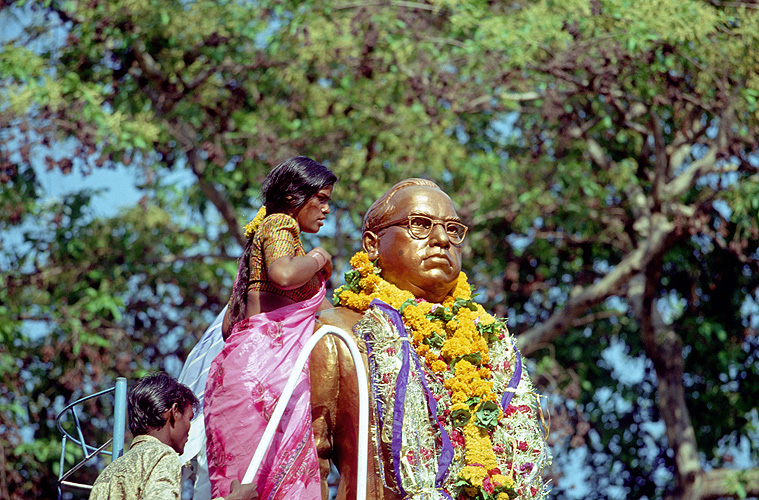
(152,396)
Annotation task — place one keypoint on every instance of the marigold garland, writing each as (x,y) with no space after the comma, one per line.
(453,340)
(251,227)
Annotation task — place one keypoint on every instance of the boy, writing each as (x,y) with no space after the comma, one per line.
(160,410)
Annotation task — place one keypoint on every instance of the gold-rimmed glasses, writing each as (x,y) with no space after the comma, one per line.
(420,227)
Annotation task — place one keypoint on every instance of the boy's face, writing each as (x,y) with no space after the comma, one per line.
(179,428)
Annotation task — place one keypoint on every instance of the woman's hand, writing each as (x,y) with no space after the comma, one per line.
(292,272)
(324,258)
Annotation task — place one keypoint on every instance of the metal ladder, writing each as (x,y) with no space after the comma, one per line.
(89,452)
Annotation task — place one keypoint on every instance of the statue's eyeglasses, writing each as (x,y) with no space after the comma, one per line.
(420,227)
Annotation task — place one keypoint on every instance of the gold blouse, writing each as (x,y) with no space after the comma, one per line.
(278,236)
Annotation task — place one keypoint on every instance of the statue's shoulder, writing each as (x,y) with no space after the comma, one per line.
(341,317)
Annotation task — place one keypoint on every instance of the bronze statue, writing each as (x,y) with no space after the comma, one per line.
(455,415)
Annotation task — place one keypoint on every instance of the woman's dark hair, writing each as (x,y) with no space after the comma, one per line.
(291,183)
(152,396)
(288,186)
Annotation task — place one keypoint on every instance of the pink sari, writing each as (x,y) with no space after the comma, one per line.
(244,384)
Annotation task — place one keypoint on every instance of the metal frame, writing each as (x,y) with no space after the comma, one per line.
(89,452)
(279,409)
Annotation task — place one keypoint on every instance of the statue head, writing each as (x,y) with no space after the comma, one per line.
(414,235)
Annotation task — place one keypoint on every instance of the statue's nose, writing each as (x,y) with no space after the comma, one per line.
(438,236)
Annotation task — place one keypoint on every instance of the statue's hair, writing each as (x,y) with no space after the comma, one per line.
(383,206)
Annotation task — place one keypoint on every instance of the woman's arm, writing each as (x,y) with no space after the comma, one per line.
(290,272)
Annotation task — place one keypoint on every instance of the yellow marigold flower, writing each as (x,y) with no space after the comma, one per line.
(370,282)
(502,480)
(479,447)
(473,474)
(459,397)
(464,369)
(462,289)
(459,406)
(251,227)
(439,366)
(486,386)
(452,325)
(423,349)
(452,384)
(455,347)
(486,318)
(361,262)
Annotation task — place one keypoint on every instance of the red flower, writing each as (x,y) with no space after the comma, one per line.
(457,437)
(494,470)
(522,446)
(509,411)
(487,485)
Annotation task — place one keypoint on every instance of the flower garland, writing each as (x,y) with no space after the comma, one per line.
(251,227)
(454,341)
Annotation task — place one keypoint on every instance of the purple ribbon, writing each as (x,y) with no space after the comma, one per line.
(401,384)
(514,382)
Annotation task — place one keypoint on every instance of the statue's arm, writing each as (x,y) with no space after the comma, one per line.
(326,370)
(335,406)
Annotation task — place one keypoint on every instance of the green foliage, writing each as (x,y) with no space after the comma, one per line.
(561,130)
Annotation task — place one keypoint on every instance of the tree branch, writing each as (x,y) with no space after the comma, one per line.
(659,231)
(664,347)
(726,483)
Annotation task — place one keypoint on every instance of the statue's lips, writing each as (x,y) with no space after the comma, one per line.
(438,258)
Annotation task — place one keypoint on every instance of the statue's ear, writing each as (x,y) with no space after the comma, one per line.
(371,245)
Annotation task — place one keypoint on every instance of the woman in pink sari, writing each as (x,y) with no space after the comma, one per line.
(278,289)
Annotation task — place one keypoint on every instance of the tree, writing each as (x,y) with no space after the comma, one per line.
(604,154)
(644,182)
